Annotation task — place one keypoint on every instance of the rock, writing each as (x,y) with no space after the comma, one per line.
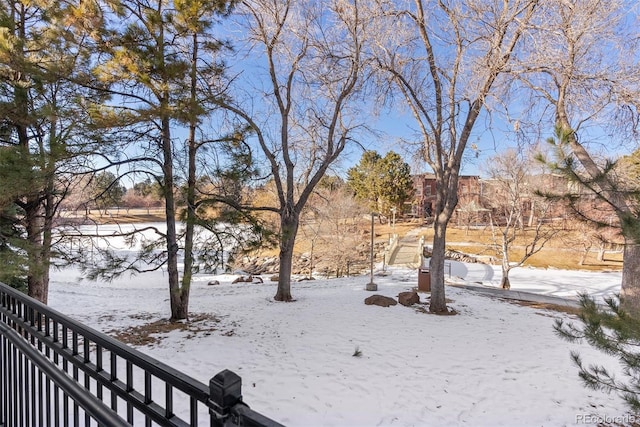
(380,300)
(213,283)
(408,298)
(257,280)
(243,279)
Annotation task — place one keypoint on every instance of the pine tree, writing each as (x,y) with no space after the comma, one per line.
(396,181)
(364,179)
(40,137)
(161,63)
(613,331)
(384,182)
(106,190)
(14,262)
(615,190)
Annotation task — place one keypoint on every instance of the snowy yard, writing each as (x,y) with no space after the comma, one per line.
(494,364)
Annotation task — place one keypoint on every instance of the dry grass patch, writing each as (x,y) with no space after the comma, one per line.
(114,216)
(150,333)
(324,245)
(544,306)
(130,217)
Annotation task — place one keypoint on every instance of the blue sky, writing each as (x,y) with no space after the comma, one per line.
(395,126)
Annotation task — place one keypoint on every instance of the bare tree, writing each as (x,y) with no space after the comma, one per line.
(512,196)
(578,64)
(311,51)
(445,58)
(336,213)
(585,235)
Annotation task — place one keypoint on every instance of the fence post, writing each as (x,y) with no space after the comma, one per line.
(225,391)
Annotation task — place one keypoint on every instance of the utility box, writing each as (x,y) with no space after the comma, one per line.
(424,275)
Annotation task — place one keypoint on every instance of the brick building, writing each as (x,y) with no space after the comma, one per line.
(422,206)
(477,199)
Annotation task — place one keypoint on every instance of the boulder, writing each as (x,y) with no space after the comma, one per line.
(213,283)
(380,300)
(408,298)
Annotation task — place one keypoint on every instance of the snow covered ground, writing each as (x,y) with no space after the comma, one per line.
(494,364)
(552,282)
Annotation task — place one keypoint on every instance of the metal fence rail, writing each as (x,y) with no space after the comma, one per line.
(55,371)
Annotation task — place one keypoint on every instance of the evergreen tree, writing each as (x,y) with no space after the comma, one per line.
(384,182)
(161,62)
(613,331)
(611,187)
(14,261)
(147,188)
(41,136)
(365,179)
(107,191)
(397,184)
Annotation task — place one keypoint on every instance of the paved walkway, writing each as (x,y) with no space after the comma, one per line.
(406,252)
(519,295)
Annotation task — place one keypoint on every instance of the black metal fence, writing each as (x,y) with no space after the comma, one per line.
(55,371)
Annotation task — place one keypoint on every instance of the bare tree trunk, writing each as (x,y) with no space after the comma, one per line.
(313,242)
(288,230)
(585,253)
(39,224)
(531,213)
(179,302)
(37,277)
(40,290)
(601,251)
(438,302)
(187,273)
(447,199)
(630,290)
(504,282)
(446,202)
